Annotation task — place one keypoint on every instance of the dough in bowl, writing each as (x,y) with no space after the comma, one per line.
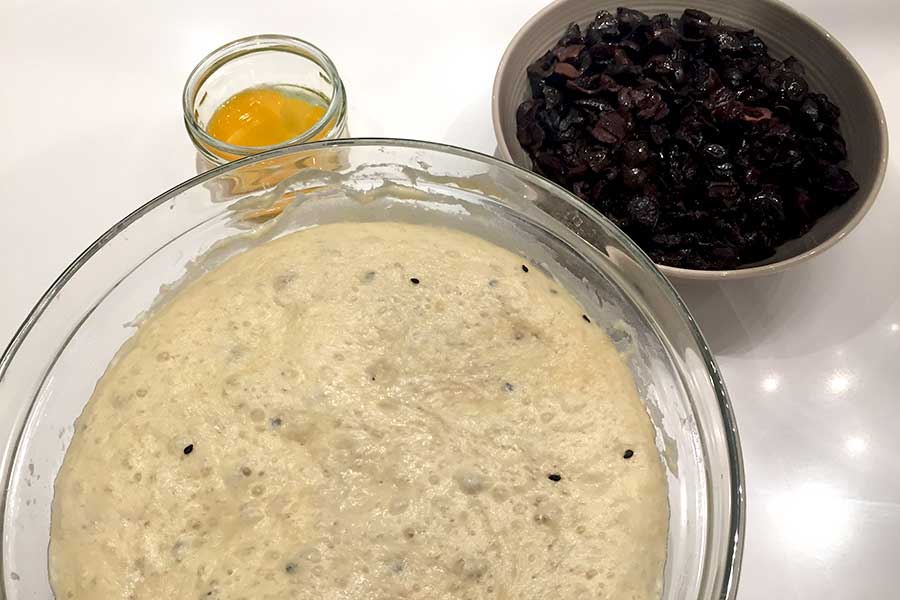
(363,411)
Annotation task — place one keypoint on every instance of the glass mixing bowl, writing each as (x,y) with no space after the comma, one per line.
(49,370)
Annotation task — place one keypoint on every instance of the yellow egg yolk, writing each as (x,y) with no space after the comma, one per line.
(262,117)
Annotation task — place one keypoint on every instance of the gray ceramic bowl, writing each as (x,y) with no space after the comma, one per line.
(829,69)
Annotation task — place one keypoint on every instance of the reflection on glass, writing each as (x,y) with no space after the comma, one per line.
(855,445)
(895,327)
(839,382)
(770,383)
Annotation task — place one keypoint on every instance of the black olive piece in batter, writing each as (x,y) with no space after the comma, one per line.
(189,448)
(628,453)
(554,477)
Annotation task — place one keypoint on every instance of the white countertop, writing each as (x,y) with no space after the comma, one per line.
(90,118)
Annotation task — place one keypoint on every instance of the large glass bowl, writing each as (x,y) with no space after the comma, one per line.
(49,370)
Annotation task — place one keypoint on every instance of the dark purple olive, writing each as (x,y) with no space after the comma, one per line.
(567,70)
(634,178)
(685,133)
(588,85)
(752,114)
(569,53)
(625,98)
(839,182)
(726,42)
(664,39)
(602,52)
(610,128)
(839,147)
(643,211)
(715,152)
(810,110)
(542,67)
(661,21)
(721,171)
(752,95)
(792,64)
(630,19)
(582,189)
(549,165)
(695,23)
(755,45)
(795,89)
(528,132)
(635,152)
(572,35)
(597,158)
(828,112)
(765,208)
(549,121)
(725,193)
(593,107)
(603,27)
(751,177)
(734,77)
(659,134)
(552,96)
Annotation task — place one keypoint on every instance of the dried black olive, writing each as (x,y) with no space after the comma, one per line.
(630,19)
(687,134)
(635,152)
(715,152)
(610,128)
(643,211)
(634,178)
(603,27)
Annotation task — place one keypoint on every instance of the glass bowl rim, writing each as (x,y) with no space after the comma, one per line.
(269,42)
(737,508)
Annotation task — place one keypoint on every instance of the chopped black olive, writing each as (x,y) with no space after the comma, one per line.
(586,318)
(687,134)
(414,280)
(524,268)
(628,453)
(189,448)
(554,477)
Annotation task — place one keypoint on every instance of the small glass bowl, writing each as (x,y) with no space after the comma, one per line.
(261,60)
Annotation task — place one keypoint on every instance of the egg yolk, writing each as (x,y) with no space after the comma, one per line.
(262,117)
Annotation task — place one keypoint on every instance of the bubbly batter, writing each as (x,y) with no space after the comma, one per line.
(363,411)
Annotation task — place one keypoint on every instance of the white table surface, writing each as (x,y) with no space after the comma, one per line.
(90,126)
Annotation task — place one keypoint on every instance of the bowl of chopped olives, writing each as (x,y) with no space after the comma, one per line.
(728,140)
